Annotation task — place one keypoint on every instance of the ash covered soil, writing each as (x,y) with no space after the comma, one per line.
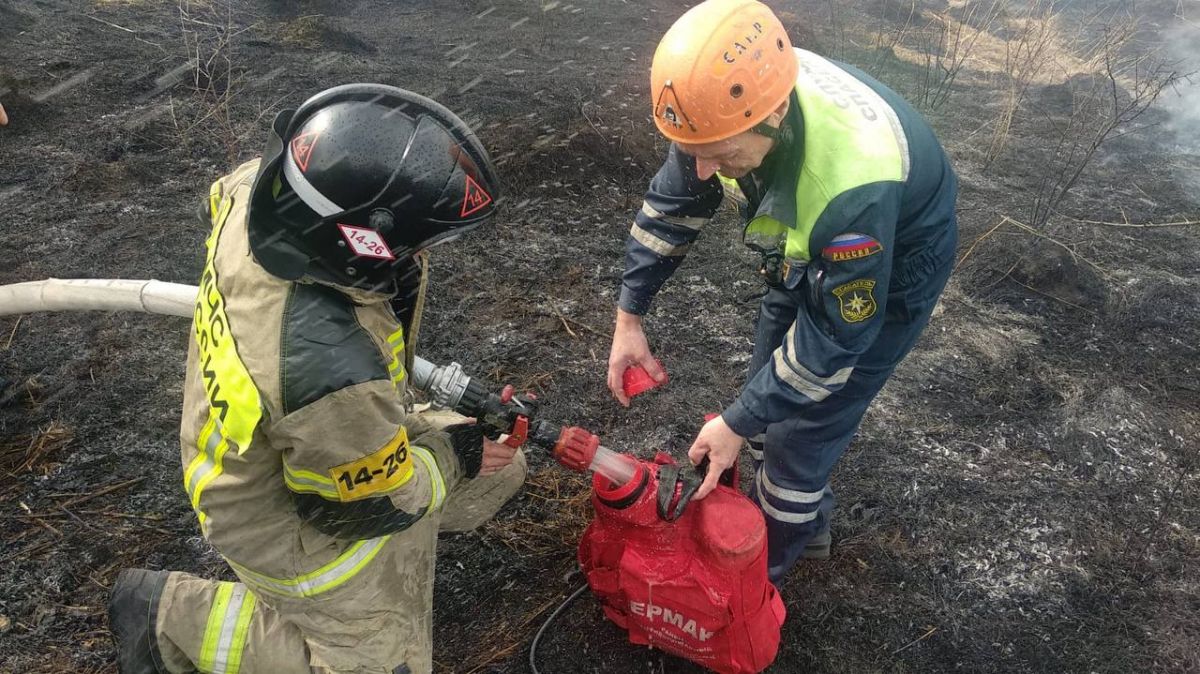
(1021,497)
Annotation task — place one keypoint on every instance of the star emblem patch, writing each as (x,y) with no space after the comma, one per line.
(855,300)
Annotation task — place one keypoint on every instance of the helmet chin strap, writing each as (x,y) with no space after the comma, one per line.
(781,136)
(766,130)
(448,239)
(781,133)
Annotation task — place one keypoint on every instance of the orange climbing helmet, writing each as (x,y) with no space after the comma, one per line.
(721,69)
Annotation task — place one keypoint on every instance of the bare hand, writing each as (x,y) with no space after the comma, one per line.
(718,441)
(496,455)
(630,348)
(3,117)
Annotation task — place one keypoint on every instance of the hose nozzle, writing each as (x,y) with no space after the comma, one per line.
(576,448)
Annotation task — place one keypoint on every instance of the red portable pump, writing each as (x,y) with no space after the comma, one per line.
(691,580)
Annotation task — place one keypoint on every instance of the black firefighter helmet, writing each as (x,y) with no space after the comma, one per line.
(360,178)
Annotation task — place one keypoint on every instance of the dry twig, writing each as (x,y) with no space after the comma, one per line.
(564,321)
(1053,297)
(976,242)
(102,492)
(1006,220)
(13,334)
(916,641)
(40,522)
(1143,225)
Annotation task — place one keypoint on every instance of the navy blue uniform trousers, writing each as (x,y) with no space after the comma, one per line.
(793,458)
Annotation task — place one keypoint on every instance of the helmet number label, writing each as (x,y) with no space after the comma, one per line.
(366,242)
(474,198)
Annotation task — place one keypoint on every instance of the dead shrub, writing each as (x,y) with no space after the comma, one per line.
(208,31)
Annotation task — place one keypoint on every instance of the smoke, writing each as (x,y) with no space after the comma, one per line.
(1182,44)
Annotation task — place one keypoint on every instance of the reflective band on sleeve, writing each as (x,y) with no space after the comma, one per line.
(226,629)
(802,385)
(326,578)
(308,482)
(396,370)
(682,221)
(790,495)
(396,366)
(789,369)
(437,485)
(780,516)
(207,470)
(755,445)
(656,244)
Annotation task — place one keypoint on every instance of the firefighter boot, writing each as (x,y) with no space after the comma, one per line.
(818,547)
(131,614)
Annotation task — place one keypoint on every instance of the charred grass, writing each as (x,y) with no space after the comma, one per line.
(1021,497)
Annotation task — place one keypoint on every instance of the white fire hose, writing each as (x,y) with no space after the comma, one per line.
(151,297)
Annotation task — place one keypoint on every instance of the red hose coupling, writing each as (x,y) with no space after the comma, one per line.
(576,448)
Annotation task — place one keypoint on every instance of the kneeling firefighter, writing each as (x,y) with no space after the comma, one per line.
(848,197)
(306,467)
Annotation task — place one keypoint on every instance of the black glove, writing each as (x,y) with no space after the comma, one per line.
(467,441)
(688,482)
(671,477)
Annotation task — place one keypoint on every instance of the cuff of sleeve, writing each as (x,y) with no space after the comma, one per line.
(448,461)
(467,441)
(742,421)
(633,303)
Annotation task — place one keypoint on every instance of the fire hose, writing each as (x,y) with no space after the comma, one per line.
(447,387)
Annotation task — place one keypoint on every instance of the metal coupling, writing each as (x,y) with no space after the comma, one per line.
(445,385)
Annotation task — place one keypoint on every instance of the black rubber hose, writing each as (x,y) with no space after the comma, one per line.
(553,616)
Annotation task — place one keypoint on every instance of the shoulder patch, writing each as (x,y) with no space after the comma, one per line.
(323,348)
(850,246)
(855,300)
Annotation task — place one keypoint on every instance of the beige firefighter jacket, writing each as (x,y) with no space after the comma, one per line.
(299,456)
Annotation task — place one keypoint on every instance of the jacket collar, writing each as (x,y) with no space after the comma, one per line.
(775,181)
(358,296)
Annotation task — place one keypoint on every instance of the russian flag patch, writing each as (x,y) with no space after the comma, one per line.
(850,246)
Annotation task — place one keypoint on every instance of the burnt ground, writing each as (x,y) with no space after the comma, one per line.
(1022,497)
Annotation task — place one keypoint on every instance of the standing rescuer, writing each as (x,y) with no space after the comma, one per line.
(849,198)
(301,458)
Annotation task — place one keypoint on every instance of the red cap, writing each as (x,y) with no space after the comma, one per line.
(576,448)
(636,380)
